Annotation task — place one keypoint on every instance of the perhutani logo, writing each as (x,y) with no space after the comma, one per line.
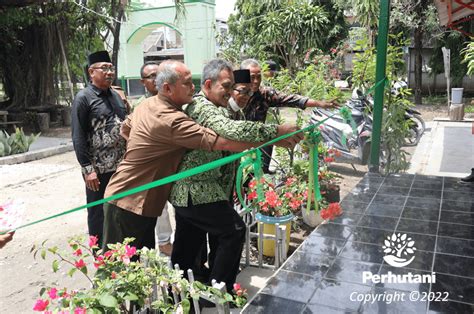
(399,250)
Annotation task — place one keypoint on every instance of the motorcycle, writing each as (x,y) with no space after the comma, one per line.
(355,149)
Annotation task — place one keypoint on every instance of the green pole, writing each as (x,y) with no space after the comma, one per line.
(382,41)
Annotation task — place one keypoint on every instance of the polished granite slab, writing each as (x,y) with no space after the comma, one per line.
(325,274)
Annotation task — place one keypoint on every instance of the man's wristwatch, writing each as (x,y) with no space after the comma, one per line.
(87,169)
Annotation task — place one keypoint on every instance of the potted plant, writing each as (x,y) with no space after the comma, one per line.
(279,204)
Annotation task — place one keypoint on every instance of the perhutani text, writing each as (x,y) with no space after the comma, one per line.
(390,277)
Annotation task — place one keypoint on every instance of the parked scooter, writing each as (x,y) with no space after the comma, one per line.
(355,149)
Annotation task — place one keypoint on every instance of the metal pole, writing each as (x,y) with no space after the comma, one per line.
(382,41)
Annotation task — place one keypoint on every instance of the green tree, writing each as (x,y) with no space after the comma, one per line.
(284,30)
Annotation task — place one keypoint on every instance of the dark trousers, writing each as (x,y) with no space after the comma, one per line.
(120,224)
(266,157)
(95,214)
(227,230)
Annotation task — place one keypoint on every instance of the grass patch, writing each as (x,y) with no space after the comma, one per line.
(469,109)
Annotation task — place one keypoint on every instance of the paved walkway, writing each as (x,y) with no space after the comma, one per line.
(446,149)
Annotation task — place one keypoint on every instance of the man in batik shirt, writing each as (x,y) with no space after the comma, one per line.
(97,114)
(202,202)
(265,97)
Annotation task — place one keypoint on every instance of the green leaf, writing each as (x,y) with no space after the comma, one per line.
(131,297)
(53,249)
(42,291)
(108,300)
(43,254)
(71,272)
(186,306)
(55,265)
(84,270)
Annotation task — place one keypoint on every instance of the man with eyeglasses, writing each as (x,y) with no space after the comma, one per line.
(97,114)
(163,229)
(241,94)
(265,97)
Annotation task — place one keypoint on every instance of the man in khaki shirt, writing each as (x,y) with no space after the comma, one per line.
(159,133)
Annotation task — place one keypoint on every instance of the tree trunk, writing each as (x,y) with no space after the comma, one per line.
(418,45)
(418,48)
(116,34)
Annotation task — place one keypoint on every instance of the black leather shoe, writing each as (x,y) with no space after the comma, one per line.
(469,178)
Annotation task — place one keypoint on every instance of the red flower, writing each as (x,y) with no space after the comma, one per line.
(290,181)
(272,198)
(113,275)
(332,211)
(252,184)
(93,241)
(237,286)
(40,305)
(329,159)
(252,195)
(80,263)
(77,252)
(288,195)
(53,293)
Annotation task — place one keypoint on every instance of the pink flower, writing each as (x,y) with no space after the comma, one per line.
(47,312)
(130,250)
(77,252)
(93,241)
(113,275)
(108,253)
(237,286)
(125,259)
(80,263)
(99,261)
(80,310)
(53,293)
(40,305)
(288,195)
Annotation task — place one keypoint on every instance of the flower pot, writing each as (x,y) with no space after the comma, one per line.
(269,228)
(311,218)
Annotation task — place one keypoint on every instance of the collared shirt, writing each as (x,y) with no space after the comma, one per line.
(216,184)
(96,119)
(266,97)
(159,135)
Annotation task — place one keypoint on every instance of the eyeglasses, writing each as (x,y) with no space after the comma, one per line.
(105,68)
(150,76)
(247,92)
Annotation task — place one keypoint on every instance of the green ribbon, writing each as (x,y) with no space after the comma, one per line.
(346,115)
(313,177)
(181,175)
(254,159)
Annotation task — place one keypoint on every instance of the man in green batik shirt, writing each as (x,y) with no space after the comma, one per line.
(202,202)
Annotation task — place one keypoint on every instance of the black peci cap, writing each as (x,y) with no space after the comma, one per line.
(242,76)
(99,56)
